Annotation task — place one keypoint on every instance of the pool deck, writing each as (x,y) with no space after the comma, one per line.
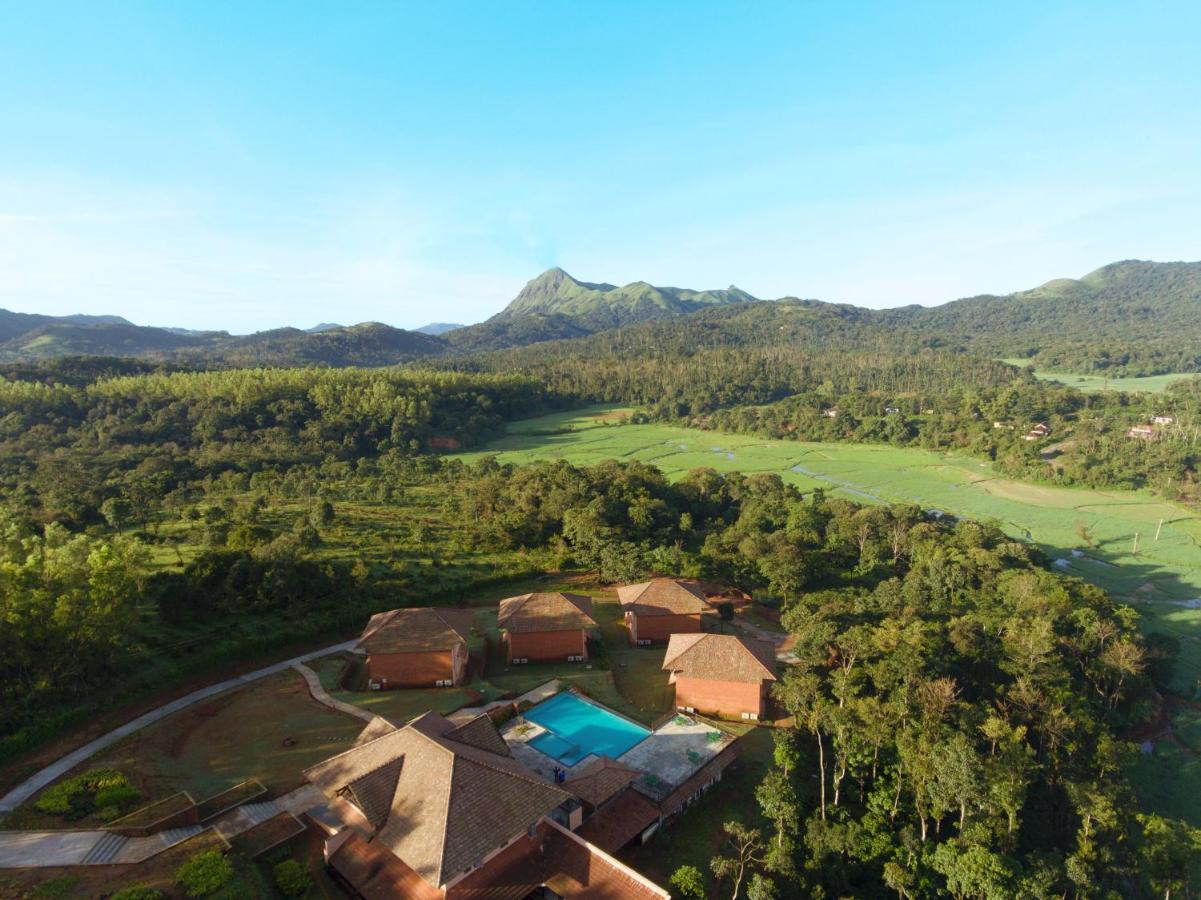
(675,750)
(670,754)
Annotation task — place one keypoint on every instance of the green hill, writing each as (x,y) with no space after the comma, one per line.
(600,306)
(1136,317)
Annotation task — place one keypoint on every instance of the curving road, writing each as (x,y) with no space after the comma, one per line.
(60,767)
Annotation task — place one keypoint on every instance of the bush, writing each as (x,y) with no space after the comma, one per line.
(689,883)
(121,796)
(75,797)
(136,893)
(204,873)
(292,879)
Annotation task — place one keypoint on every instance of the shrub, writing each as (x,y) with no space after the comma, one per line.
(292,879)
(204,873)
(120,796)
(75,797)
(689,882)
(136,893)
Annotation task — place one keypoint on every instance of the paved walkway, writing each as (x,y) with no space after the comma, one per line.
(55,770)
(537,695)
(322,696)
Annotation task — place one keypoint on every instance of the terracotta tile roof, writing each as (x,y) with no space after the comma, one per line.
(377,727)
(416,630)
(546,612)
(600,780)
(720,657)
(662,597)
(620,822)
(451,804)
(577,869)
(376,874)
(481,733)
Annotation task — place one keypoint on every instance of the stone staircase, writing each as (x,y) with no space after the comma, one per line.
(242,818)
(173,836)
(105,850)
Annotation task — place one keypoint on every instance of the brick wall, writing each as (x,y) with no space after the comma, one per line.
(546,645)
(722,698)
(413,669)
(660,628)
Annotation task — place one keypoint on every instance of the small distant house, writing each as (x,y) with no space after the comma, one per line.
(1163,420)
(1037,432)
(721,674)
(541,627)
(1004,425)
(417,647)
(1142,432)
(656,609)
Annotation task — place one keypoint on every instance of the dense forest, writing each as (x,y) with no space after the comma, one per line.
(958,708)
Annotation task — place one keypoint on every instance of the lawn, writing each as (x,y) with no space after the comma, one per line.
(271,730)
(1149,383)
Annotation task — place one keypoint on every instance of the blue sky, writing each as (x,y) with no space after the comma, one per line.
(247,165)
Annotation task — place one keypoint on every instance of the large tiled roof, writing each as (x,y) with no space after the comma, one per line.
(450,803)
(662,597)
(600,779)
(546,612)
(720,657)
(416,630)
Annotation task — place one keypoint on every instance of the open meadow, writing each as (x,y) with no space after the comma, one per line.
(1154,384)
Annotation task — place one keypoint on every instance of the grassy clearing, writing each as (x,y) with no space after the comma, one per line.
(1153,384)
(269,730)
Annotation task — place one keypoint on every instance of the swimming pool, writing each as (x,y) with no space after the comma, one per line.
(575,728)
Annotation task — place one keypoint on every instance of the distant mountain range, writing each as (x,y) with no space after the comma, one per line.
(1131,315)
(437,328)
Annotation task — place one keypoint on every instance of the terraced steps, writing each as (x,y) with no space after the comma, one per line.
(105,850)
(173,836)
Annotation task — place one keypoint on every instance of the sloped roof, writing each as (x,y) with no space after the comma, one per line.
(546,612)
(450,804)
(720,657)
(600,779)
(662,597)
(376,873)
(377,727)
(618,823)
(416,630)
(481,734)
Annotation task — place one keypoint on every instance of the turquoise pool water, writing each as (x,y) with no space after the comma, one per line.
(575,728)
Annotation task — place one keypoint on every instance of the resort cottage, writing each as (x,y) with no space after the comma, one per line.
(424,647)
(657,609)
(543,627)
(438,810)
(720,674)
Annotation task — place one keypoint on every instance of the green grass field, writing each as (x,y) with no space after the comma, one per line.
(1163,577)
(1149,384)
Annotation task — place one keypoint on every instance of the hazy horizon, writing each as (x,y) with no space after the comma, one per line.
(244,168)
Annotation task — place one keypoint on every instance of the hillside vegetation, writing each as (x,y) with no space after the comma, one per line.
(1126,319)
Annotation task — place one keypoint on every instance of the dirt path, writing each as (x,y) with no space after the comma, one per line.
(60,767)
